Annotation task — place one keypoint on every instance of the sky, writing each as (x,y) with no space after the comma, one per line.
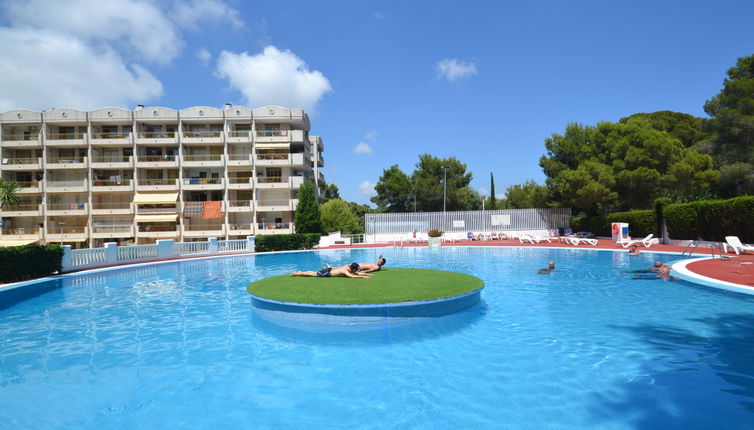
(382,81)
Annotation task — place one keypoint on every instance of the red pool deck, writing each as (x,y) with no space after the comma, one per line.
(739,269)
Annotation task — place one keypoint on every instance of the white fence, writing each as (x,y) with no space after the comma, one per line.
(112,254)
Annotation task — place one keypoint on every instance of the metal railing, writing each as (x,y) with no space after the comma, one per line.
(8,137)
(271,179)
(65,160)
(156,158)
(111,183)
(240,157)
(275,156)
(202,181)
(273,202)
(111,205)
(203,227)
(168,210)
(112,228)
(111,159)
(239,203)
(158,182)
(156,134)
(21,230)
(66,184)
(66,230)
(75,206)
(235,227)
(241,180)
(203,133)
(21,207)
(28,184)
(202,157)
(64,136)
(272,133)
(112,135)
(239,133)
(273,225)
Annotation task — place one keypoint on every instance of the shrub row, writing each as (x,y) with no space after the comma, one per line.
(19,263)
(284,242)
(704,219)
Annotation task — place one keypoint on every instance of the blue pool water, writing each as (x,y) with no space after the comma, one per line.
(178,345)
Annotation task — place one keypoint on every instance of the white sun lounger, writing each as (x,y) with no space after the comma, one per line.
(576,241)
(647,241)
(735,243)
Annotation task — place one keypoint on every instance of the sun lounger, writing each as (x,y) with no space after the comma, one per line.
(735,243)
(576,241)
(647,241)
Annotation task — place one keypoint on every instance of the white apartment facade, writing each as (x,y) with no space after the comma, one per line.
(134,177)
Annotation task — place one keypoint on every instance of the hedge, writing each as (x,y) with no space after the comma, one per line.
(284,242)
(19,263)
(712,219)
(640,223)
(595,224)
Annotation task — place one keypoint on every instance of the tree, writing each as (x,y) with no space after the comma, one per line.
(428,181)
(327,192)
(732,112)
(8,193)
(336,215)
(528,195)
(307,218)
(687,128)
(359,211)
(493,200)
(394,190)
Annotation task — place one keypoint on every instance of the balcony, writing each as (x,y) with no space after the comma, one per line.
(172,210)
(29,187)
(274,228)
(22,233)
(244,160)
(275,205)
(112,231)
(112,162)
(112,208)
(239,137)
(156,138)
(242,183)
(66,234)
(320,161)
(65,139)
(21,140)
(156,161)
(202,183)
(204,230)
(53,186)
(281,159)
(240,229)
(111,186)
(279,136)
(209,136)
(279,182)
(240,206)
(66,209)
(202,160)
(22,163)
(22,210)
(115,139)
(157,231)
(66,163)
(157,185)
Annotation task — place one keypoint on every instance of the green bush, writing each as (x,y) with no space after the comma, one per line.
(595,224)
(284,242)
(19,263)
(659,206)
(640,223)
(711,219)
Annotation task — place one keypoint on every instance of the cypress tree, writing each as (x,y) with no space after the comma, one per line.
(492,192)
(307,211)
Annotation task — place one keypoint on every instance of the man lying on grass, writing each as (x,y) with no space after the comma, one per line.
(352,270)
(373,267)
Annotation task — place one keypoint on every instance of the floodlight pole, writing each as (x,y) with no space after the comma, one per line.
(62,224)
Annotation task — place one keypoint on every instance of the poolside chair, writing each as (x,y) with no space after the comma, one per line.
(576,241)
(647,241)
(735,243)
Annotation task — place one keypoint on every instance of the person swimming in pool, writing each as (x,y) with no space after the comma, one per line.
(656,267)
(373,267)
(549,269)
(352,270)
(633,251)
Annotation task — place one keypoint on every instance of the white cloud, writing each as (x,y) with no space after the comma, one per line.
(371,135)
(453,69)
(273,77)
(43,69)
(363,148)
(189,14)
(483,191)
(367,187)
(90,53)
(203,55)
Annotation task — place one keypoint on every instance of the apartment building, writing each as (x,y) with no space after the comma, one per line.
(134,177)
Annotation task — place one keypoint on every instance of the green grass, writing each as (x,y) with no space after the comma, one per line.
(393,285)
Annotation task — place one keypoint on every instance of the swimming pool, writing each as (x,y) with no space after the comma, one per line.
(178,345)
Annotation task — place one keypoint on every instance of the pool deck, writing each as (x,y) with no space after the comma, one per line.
(739,269)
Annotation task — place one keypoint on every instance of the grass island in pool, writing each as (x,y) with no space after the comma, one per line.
(393,285)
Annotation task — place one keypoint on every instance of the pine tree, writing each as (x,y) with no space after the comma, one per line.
(492,192)
(307,211)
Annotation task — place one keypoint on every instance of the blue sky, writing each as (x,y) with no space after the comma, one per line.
(486,81)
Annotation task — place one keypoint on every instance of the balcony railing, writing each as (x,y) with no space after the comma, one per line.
(203,227)
(273,203)
(156,134)
(65,160)
(239,133)
(166,210)
(112,228)
(273,225)
(64,136)
(153,227)
(21,230)
(156,158)
(112,135)
(66,206)
(272,133)
(111,183)
(202,181)
(156,181)
(269,179)
(239,156)
(66,230)
(202,157)
(24,207)
(239,203)
(203,133)
(66,184)
(28,184)
(17,161)
(9,137)
(275,156)
(111,205)
(239,180)
(246,226)
(111,159)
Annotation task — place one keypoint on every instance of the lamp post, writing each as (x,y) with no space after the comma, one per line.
(445,186)
(62,224)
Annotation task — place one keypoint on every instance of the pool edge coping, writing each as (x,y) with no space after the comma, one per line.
(680,269)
